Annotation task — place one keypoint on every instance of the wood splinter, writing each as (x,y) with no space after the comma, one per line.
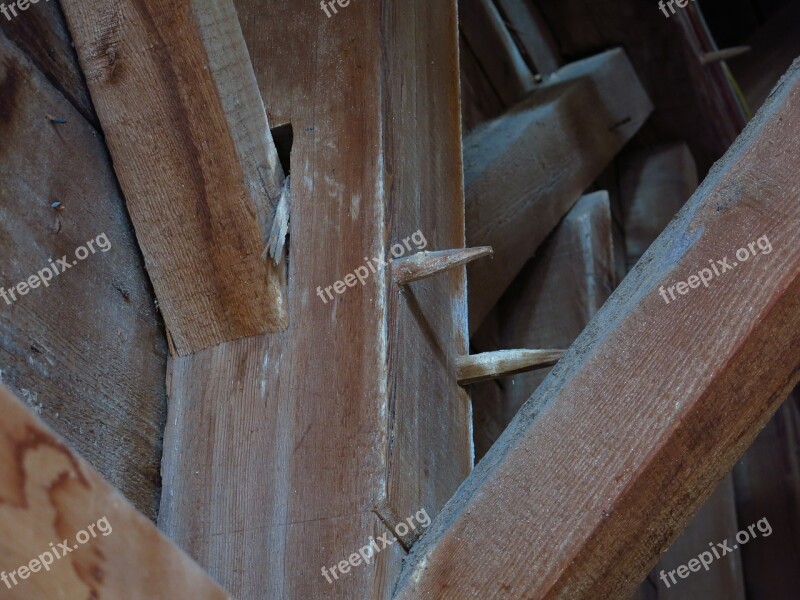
(720,55)
(427,264)
(491,365)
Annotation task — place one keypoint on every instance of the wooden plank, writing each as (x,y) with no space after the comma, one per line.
(685,97)
(654,185)
(42,34)
(552,300)
(87,352)
(714,523)
(354,414)
(533,37)
(49,495)
(650,407)
(766,481)
(194,158)
(479,100)
(497,54)
(525,170)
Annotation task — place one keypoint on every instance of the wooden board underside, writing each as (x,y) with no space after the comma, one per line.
(355,407)
(556,510)
(87,353)
(49,495)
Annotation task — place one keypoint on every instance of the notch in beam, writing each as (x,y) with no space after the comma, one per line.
(491,365)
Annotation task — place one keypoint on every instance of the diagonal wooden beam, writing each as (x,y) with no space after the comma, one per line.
(49,495)
(177,98)
(651,406)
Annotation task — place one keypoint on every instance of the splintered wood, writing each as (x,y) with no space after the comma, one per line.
(185,124)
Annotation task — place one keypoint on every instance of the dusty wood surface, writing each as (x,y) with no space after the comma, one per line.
(355,408)
(550,303)
(685,97)
(526,169)
(556,510)
(498,55)
(87,352)
(715,522)
(531,34)
(766,483)
(49,496)
(654,184)
(42,34)
(185,124)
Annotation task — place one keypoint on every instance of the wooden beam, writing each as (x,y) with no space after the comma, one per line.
(186,128)
(358,402)
(498,55)
(491,365)
(650,407)
(525,170)
(533,36)
(550,303)
(49,495)
(86,350)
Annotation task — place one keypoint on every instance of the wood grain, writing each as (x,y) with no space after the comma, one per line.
(526,169)
(354,410)
(49,495)
(650,407)
(186,127)
(88,353)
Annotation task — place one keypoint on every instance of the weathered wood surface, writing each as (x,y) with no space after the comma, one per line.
(355,408)
(526,169)
(766,483)
(550,303)
(497,53)
(556,510)
(714,523)
(654,185)
(531,34)
(685,97)
(49,495)
(42,34)
(87,352)
(186,127)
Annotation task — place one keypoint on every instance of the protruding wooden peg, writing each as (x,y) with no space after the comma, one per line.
(427,264)
(719,55)
(491,365)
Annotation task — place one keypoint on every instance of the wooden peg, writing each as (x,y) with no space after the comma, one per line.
(491,365)
(427,264)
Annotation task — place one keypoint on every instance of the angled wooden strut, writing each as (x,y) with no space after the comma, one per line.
(48,494)
(526,169)
(427,264)
(652,404)
(179,105)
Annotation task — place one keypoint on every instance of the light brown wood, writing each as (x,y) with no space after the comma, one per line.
(49,496)
(580,501)
(281,448)
(86,352)
(526,169)
(186,127)
(427,264)
(491,365)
